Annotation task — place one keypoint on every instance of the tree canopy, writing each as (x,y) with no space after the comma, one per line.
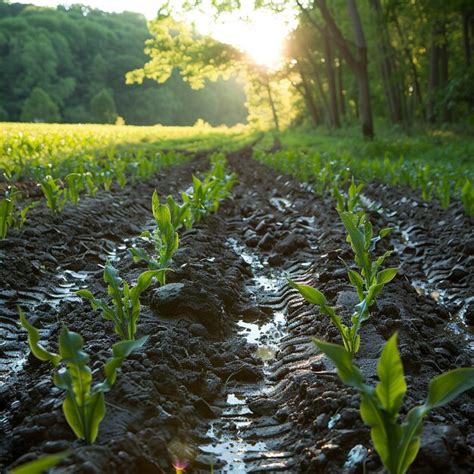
(78,57)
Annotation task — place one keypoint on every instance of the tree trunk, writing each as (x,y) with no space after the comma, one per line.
(308,95)
(438,74)
(362,72)
(387,65)
(340,88)
(272,104)
(317,78)
(411,62)
(329,62)
(466,36)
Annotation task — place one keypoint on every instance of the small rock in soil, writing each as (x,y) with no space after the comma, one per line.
(290,244)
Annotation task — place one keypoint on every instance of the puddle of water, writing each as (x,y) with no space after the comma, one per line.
(356,456)
(333,421)
(227,433)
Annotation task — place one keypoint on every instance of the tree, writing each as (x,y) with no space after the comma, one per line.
(39,107)
(103,108)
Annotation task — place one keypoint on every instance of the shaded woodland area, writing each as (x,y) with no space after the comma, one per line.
(405,61)
(69,65)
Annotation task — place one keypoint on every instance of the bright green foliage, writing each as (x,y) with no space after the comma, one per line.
(348,202)
(467,197)
(444,193)
(84,405)
(380,161)
(6,216)
(56,197)
(371,280)
(125,308)
(165,239)
(41,465)
(180,214)
(312,295)
(10,215)
(368,283)
(397,443)
(74,186)
(207,193)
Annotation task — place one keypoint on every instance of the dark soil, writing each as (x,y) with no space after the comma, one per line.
(169,393)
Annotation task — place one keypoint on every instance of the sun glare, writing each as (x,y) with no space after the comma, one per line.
(262,38)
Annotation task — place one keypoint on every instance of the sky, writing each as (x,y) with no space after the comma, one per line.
(262,38)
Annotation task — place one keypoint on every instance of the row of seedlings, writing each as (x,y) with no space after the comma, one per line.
(84,176)
(84,403)
(443,181)
(396,440)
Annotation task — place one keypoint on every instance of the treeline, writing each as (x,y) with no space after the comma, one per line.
(403,60)
(69,64)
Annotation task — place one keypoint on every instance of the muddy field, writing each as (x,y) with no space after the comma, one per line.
(229,375)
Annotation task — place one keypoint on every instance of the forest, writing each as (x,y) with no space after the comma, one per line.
(237,236)
(69,65)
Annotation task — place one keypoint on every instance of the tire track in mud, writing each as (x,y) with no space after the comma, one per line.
(62,254)
(436,250)
(300,418)
(201,377)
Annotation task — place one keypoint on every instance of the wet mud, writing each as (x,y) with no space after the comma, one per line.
(229,377)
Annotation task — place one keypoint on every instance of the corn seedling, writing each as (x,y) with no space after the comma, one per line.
(396,442)
(125,308)
(348,202)
(10,215)
(371,280)
(368,283)
(6,215)
(165,239)
(84,405)
(55,196)
(467,198)
(206,194)
(444,192)
(74,186)
(90,183)
(180,214)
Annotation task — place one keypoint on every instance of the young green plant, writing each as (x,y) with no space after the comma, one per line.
(397,443)
(125,308)
(84,405)
(56,197)
(368,283)
(164,237)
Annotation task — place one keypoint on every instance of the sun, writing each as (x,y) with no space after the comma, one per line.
(261,38)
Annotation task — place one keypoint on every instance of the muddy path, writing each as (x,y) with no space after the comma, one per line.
(229,376)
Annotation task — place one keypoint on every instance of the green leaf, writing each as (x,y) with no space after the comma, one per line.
(125,348)
(37,349)
(120,351)
(73,415)
(392,387)
(409,443)
(386,275)
(310,294)
(342,359)
(357,239)
(384,232)
(358,282)
(39,466)
(95,413)
(372,416)
(70,347)
(448,386)
(85,294)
